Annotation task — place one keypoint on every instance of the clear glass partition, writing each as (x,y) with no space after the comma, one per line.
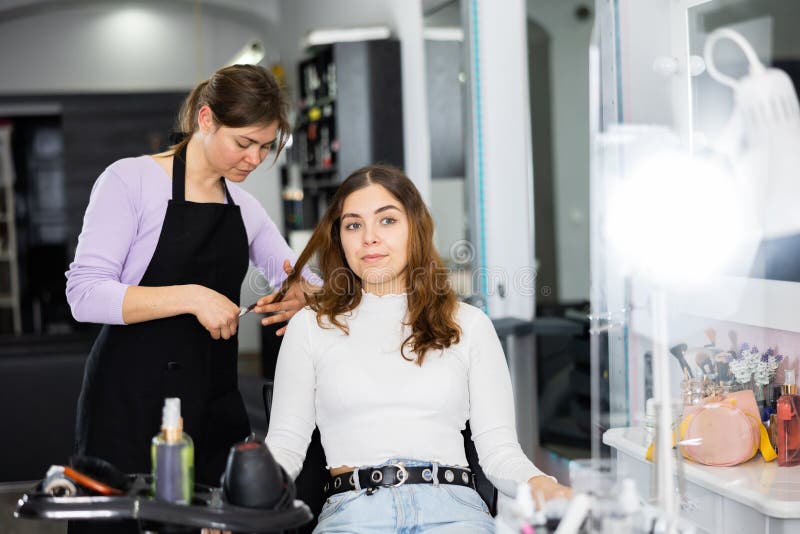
(695,230)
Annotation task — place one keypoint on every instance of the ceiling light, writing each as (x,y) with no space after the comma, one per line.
(250,54)
(330,36)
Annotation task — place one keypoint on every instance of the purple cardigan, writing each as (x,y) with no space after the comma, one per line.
(121,228)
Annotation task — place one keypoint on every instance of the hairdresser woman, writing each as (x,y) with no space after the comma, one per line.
(160,263)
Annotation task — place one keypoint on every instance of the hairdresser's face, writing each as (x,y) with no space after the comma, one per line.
(235,152)
(374,234)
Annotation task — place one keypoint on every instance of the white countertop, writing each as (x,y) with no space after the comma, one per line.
(764,486)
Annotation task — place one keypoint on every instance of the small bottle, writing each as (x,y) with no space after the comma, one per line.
(789,422)
(525,508)
(293,196)
(625,516)
(514,516)
(172,452)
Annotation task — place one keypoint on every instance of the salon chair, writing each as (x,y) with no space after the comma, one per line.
(313,474)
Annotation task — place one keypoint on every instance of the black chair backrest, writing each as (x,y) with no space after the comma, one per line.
(313,475)
(484,487)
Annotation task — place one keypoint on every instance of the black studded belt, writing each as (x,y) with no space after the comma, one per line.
(394,475)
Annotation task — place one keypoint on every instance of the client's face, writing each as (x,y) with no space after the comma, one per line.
(374,235)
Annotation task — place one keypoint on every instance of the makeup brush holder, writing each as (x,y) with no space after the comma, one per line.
(694,390)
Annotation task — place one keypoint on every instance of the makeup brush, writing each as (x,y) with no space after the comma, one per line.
(678,351)
(734,337)
(721,359)
(704,362)
(699,356)
(711,334)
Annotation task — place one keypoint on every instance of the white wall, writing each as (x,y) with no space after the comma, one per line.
(109,47)
(404,17)
(569,49)
(126,47)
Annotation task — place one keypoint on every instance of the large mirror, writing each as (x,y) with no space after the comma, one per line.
(734,121)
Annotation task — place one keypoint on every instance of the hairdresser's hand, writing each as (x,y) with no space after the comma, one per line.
(292,302)
(544,488)
(214,311)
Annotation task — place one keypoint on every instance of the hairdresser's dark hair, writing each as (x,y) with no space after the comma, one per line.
(432,303)
(238,95)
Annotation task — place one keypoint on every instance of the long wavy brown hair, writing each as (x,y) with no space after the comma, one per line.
(432,304)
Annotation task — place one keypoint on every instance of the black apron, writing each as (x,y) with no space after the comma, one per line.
(132,368)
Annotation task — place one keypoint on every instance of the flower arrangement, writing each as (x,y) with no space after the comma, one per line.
(749,365)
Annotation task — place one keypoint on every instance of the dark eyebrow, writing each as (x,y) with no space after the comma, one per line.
(379,210)
(257,143)
(387,207)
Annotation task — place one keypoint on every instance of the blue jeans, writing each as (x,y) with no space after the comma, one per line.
(407,509)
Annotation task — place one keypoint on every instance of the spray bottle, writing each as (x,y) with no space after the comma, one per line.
(172,453)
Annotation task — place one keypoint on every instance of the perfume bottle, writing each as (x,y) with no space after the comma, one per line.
(789,422)
(172,452)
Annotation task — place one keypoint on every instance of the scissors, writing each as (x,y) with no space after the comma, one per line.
(245,310)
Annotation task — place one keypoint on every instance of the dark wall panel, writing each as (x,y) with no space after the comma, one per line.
(101,129)
(445,108)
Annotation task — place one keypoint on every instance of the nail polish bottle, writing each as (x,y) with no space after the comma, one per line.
(789,422)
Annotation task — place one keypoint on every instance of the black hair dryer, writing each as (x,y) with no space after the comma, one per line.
(253,479)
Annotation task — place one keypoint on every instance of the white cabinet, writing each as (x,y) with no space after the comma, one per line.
(753,497)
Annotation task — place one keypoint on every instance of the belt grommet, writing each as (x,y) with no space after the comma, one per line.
(337,483)
(449,476)
(465,477)
(353,480)
(376,476)
(427,475)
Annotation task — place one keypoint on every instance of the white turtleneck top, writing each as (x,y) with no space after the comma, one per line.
(371,404)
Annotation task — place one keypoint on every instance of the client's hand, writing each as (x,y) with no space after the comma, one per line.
(546,488)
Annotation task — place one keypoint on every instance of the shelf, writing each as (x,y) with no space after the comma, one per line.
(318,104)
(7,301)
(304,121)
(764,486)
(354,86)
